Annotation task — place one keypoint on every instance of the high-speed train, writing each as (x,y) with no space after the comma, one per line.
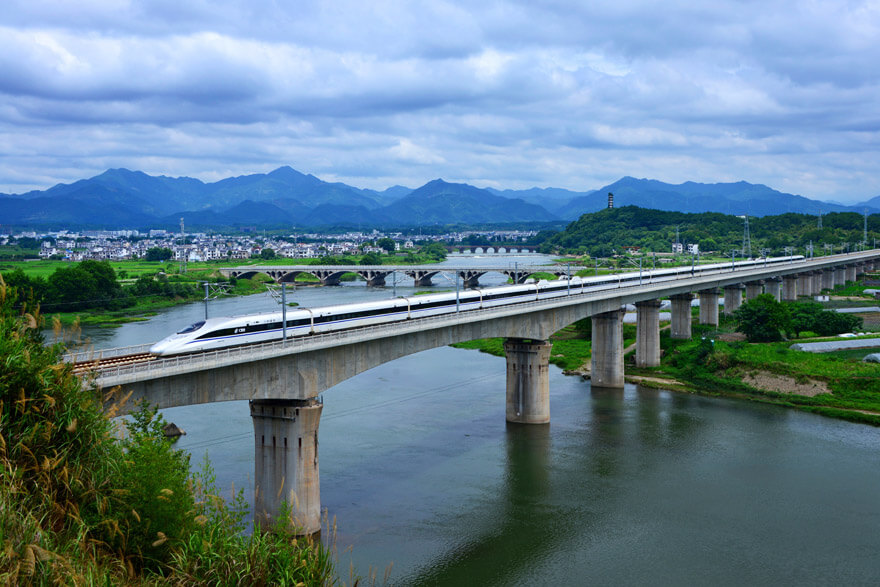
(216,333)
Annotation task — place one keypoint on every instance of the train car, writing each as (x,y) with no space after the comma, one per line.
(216,333)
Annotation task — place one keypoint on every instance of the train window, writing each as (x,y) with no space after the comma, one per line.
(192,328)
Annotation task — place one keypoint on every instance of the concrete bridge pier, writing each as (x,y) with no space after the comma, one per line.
(648,333)
(805,284)
(606,363)
(422,278)
(817,282)
(709,306)
(828,278)
(471,279)
(286,462)
(789,288)
(733,298)
(754,289)
(528,380)
(375,278)
(773,287)
(851,273)
(839,275)
(681,316)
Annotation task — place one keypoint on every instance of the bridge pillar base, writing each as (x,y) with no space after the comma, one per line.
(424,282)
(286,462)
(709,307)
(805,284)
(528,380)
(606,364)
(733,298)
(828,278)
(648,333)
(376,281)
(681,316)
(789,288)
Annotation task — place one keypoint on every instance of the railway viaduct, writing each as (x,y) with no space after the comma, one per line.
(283,379)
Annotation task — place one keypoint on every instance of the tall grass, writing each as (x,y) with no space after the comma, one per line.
(79,506)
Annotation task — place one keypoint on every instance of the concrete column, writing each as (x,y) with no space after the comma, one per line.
(528,380)
(839,275)
(789,287)
(648,333)
(817,282)
(851,273)
(828,278)
(423,281)
(733,298)
(772,286)
(805,284)
(606,364)
(754,289)
(709,307)
(681,316)
(286,461)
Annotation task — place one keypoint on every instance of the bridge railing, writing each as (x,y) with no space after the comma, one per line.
(82,356)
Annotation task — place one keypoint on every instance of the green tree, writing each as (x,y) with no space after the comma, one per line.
(436,251)
(267,253)
(158,254)
(763,319)
(387,244)
(371,259)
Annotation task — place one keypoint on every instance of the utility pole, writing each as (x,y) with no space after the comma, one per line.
(747,240)
(183,250)
(865,236)
(819,224)
(284,313)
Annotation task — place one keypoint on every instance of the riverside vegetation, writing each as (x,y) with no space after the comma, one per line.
(716,361)
(88,500)
(108,293)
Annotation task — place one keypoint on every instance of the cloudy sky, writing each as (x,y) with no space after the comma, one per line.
(496,93)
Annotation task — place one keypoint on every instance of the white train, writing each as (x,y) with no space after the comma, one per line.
(216,333)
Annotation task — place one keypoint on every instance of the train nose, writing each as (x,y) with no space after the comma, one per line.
(160,348)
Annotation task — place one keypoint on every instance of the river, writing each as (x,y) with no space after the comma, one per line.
(639,486)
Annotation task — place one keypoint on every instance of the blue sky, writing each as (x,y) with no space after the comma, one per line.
(505,94)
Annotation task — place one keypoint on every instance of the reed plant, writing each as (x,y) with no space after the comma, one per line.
(85,502)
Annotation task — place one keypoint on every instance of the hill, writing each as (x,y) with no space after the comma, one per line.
(607,232)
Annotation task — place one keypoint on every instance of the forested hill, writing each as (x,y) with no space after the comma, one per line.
(608,231)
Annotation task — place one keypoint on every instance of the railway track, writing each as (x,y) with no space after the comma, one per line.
(98,364)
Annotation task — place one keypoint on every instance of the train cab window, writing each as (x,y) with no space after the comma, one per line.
(192,328)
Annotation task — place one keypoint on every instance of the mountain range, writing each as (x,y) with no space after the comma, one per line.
(120,198)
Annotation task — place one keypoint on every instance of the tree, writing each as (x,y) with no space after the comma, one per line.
(387,244)
(435,251)
(158,254)
(763,319)
(371,259)
(267,254)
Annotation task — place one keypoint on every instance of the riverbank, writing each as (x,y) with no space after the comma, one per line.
(719,363)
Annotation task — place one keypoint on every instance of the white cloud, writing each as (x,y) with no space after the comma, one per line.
(511,93)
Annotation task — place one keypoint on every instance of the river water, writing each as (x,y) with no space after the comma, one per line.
(636,486)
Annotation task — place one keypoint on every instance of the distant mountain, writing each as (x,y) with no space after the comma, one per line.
(120,198)
(553,199)
(872,203)
(729,198)
(439,202)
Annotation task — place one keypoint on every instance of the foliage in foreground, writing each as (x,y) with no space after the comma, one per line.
(80,506)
